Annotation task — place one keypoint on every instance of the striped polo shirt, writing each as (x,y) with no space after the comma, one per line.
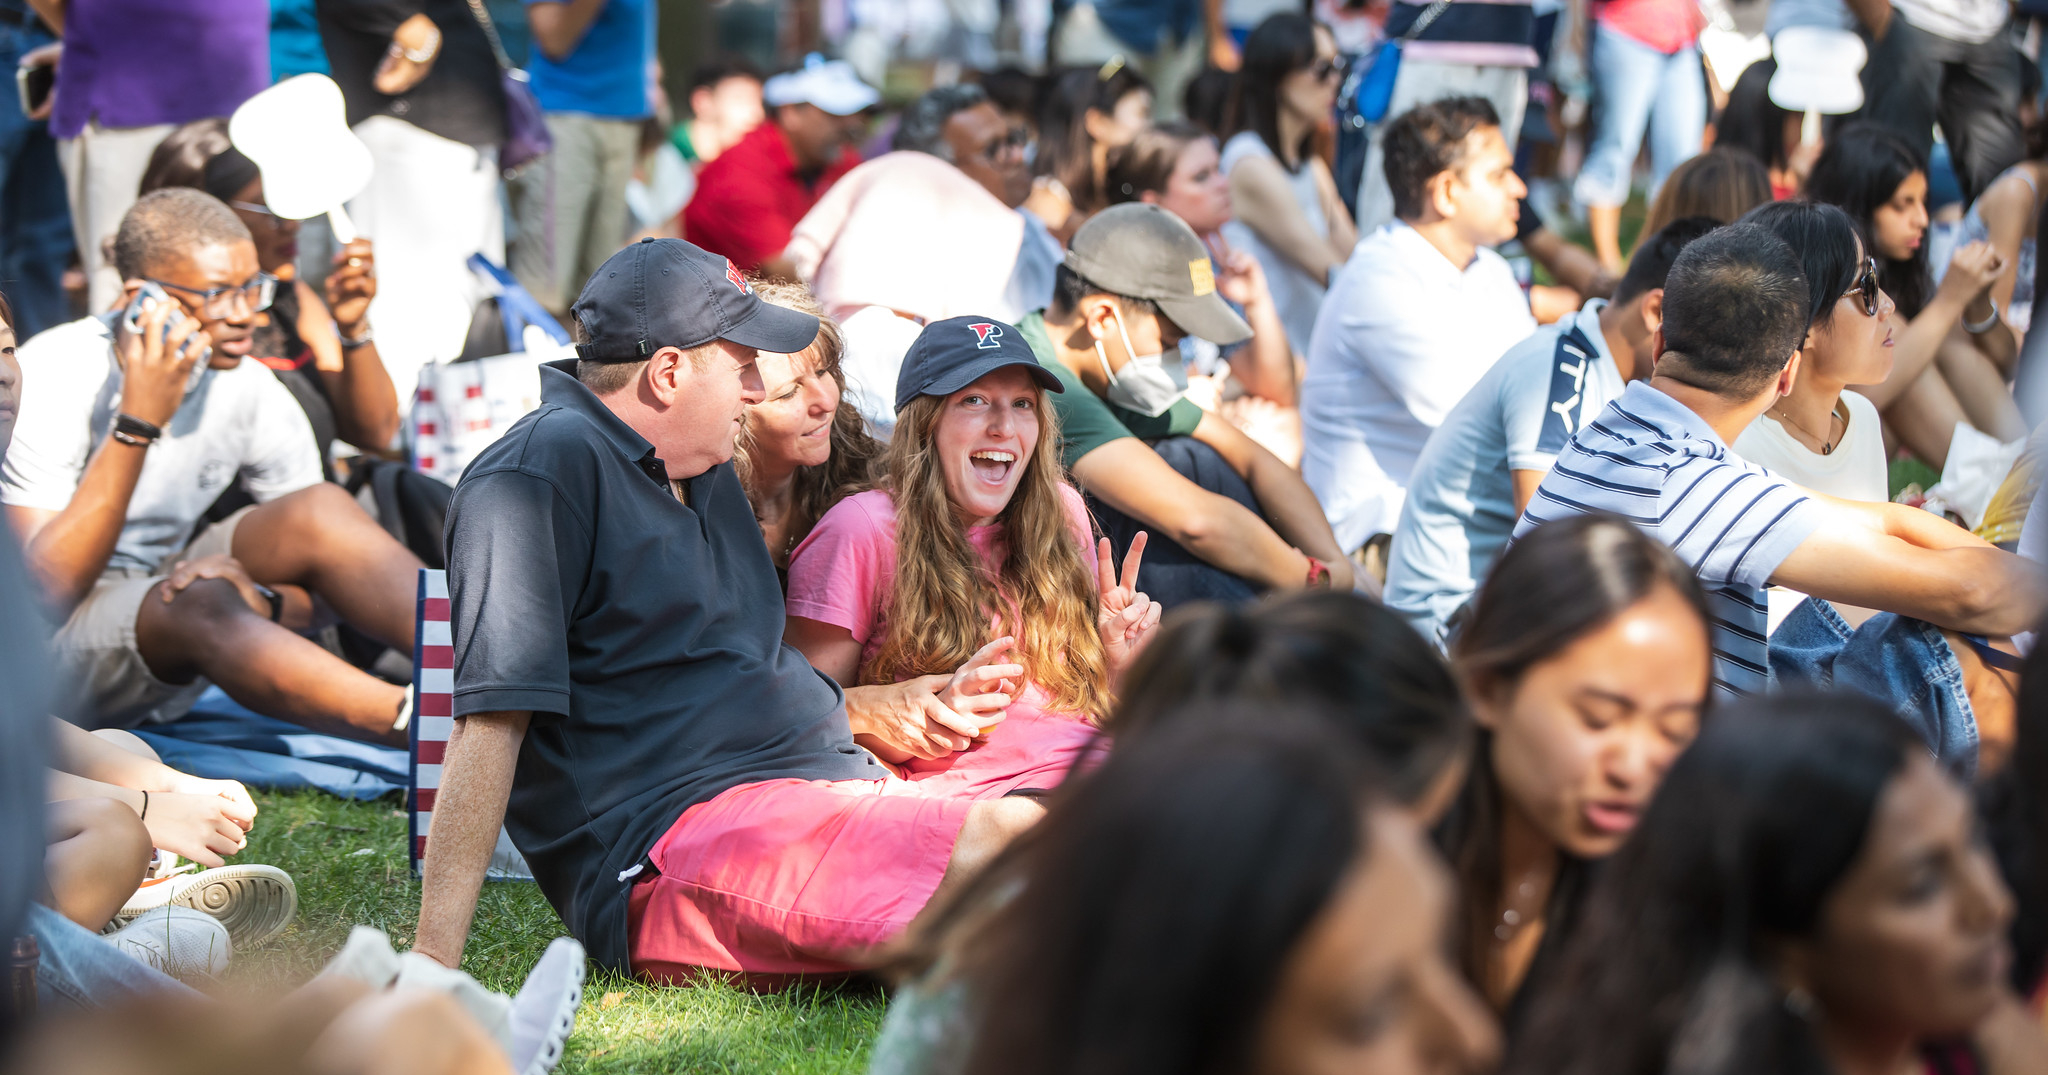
(1648,458)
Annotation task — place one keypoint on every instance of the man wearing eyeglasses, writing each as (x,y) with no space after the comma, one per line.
(127,434)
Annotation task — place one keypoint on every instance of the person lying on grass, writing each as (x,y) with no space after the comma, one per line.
(898,590)
(684,785)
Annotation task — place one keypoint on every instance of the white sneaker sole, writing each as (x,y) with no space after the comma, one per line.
(561,1022)
(255,903)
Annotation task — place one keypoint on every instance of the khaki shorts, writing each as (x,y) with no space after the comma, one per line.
(112,686)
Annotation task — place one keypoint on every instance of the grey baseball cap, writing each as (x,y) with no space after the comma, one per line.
(1146,252)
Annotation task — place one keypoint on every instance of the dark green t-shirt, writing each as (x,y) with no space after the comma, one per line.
(1087,421)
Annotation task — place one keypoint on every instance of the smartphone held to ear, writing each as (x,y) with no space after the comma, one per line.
(147,298)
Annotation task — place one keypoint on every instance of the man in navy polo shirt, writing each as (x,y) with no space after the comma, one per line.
(683,784)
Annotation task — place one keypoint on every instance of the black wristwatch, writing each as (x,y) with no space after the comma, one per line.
(135,432)
(276,601)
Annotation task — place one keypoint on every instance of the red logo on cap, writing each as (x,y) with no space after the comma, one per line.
(732,272)
(986,335)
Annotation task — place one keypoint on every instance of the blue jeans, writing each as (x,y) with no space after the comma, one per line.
(35,218)
(1638,87)
(79,971)
(1905,663)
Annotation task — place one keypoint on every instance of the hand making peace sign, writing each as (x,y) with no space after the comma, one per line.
(1127,616)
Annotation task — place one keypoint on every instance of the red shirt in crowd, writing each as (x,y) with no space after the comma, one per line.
(749,200)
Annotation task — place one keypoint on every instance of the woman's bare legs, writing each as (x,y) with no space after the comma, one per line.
(1980,386)
(97,853)
(1925,417)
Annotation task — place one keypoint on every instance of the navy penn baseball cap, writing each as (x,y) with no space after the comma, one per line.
(949,355)
(661,293)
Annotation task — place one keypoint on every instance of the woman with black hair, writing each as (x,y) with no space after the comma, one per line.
(1086,112)
(1940,373)
(1820,436)
(1289,215)
(1586,662)
(1336,654)
(1229,894)
(1807,894)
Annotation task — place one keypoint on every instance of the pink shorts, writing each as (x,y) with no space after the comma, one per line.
(809,877)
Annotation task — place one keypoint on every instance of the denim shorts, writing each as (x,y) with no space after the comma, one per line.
(1902,662)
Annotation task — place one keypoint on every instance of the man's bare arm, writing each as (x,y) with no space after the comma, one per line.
(1285,500)
(476,782)
(52,12)
(1130,477)
(1898,559)
(1526,482)
(558,26)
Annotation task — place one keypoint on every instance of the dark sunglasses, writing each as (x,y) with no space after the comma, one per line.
(1014,141)
(1866,283)
(1326,70)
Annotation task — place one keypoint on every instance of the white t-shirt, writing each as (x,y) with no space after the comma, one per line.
(1296,295)
(238,422)
(1855,470)
(1404,335)
(1971,21)
(1460,510)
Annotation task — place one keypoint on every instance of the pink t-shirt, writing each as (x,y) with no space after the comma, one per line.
(843,573)
(1664,25)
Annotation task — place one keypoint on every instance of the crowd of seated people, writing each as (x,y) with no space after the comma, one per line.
(1062,566)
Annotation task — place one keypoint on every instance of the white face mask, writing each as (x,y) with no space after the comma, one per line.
(1148,384)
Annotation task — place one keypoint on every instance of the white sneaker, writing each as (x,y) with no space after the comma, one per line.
(545,1011)
(532,1028)
(492,1011)
(255,903)
(178,941)
(367,958)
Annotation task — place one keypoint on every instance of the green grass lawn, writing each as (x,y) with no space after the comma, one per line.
(350,865)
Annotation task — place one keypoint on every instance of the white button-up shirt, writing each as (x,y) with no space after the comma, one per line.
(1403,335)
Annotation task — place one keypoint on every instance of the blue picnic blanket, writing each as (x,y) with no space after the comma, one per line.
(221,740)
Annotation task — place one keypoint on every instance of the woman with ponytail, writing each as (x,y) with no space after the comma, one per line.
(965,606)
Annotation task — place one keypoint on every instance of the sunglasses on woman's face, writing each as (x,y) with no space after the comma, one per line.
(1866,283)
(1326,70)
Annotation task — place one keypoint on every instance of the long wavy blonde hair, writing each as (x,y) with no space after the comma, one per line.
(945,598)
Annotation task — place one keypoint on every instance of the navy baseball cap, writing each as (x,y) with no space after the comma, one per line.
(949,355)
(661,293)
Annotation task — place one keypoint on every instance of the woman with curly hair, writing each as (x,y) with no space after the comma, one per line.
(800,452)
(959,604)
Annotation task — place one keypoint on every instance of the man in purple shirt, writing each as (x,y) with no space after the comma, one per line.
(117,96)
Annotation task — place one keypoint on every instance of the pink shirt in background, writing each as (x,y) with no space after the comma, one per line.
(844,572)
(1664,25)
